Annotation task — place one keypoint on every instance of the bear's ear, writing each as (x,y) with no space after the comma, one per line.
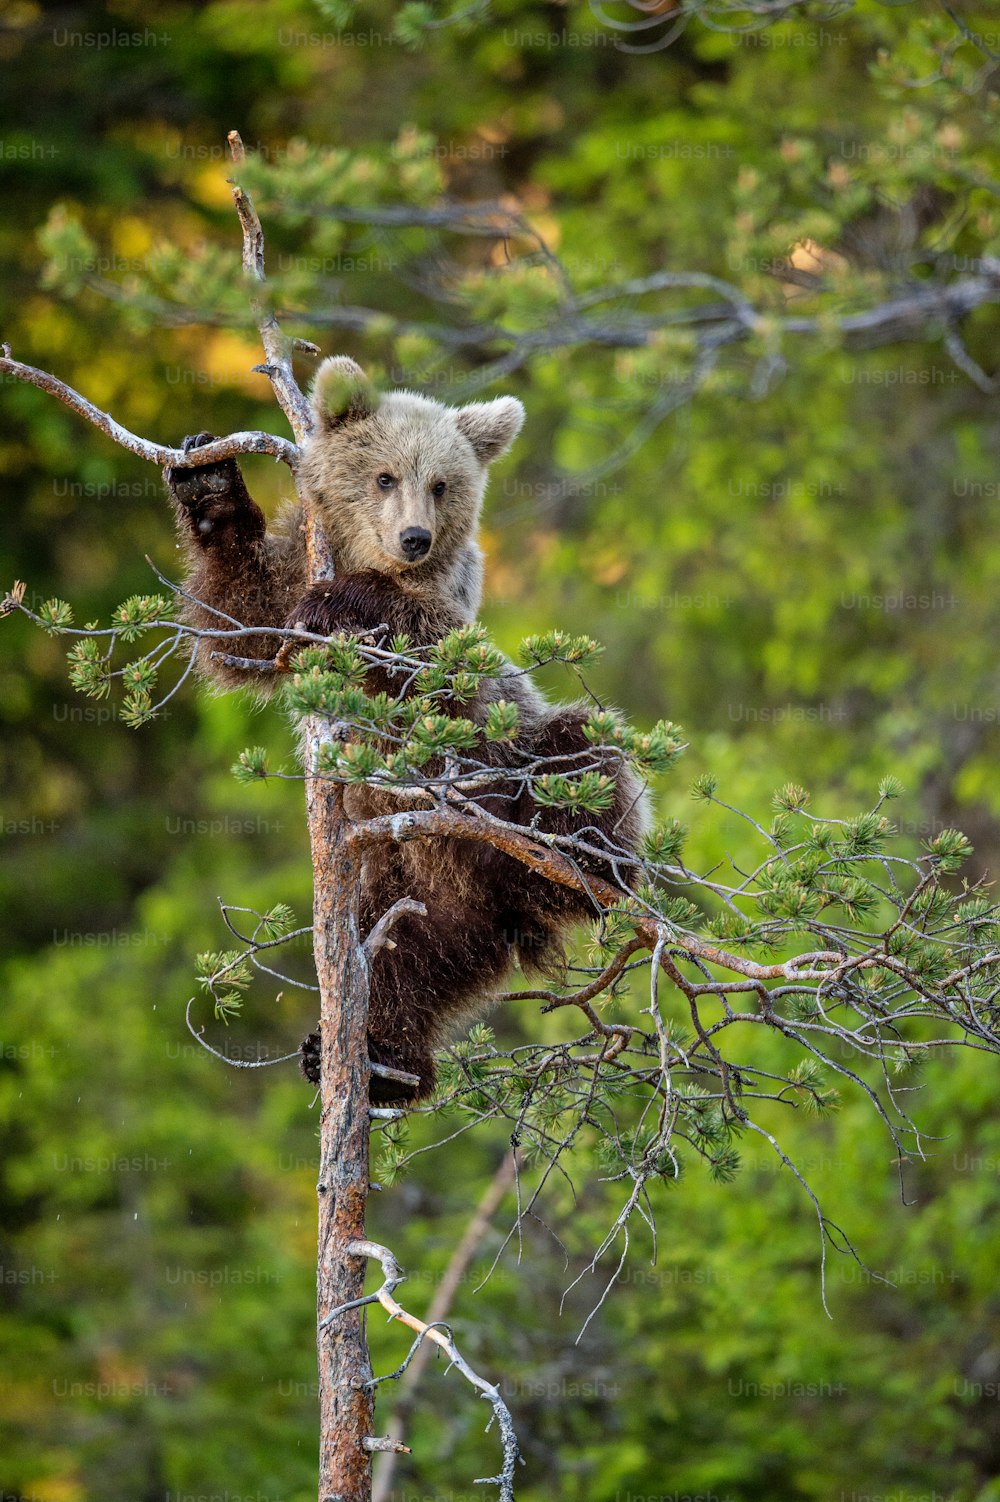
(491,427)
(341,392)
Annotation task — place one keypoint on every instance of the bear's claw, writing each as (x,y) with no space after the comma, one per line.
(381,1091)
(201,483)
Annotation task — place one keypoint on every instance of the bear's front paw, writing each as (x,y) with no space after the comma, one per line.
(365,604)
(316,611)
(214,498)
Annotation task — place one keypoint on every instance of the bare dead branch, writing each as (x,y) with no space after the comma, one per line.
(385,1445)
(379,936)
(262,665)
(393,1275)
(277,348)
(210,453)
(401,1076)
(438,1312)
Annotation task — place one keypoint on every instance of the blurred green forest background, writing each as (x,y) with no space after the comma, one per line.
(800,565)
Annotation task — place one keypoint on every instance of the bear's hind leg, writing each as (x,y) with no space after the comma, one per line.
(444,967)
(383,1090)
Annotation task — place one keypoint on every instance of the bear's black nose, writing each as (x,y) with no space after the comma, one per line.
(415,542)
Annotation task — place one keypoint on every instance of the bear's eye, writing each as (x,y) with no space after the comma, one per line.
(439,488)
(386,481)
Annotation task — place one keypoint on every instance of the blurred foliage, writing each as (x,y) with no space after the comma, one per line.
(800,569)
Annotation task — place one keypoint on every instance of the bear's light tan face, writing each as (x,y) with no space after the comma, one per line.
(400,486)
(399,479)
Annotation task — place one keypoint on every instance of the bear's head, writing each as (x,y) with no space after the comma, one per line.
(399,478)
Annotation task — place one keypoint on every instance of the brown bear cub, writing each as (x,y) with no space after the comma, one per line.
(398,481)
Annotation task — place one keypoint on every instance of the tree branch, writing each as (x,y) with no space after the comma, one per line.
(547,861)
(210,453)
(277,347)
(442,1336)
(439,1309)
(379,936)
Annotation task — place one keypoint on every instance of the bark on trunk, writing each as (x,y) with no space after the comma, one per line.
(346,1404)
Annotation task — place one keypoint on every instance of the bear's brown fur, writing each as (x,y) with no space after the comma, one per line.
(399,482)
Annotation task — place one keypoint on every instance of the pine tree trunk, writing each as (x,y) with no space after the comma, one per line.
(346,1405)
